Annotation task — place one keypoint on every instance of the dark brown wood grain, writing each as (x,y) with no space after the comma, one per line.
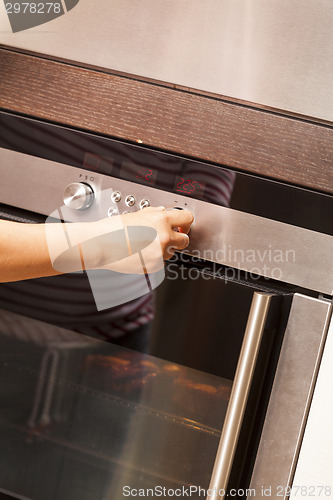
(208,128)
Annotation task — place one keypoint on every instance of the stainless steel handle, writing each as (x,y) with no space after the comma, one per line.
(239,395)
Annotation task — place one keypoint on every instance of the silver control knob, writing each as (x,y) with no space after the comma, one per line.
(144,204)
(78,196)
(116,196)
(130,200)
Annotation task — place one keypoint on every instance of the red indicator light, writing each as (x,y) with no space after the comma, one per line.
(138,173)
(147,174)
(188,186)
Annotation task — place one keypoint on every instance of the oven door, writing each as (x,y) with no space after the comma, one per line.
(88,419)
(154,408)
(84,418)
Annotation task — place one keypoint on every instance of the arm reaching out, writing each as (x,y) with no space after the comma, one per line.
(24,249)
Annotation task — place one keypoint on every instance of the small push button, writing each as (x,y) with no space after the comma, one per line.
(144,204)
(116,196)
(130,200)
(112,211)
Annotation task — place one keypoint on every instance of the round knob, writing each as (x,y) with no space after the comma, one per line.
(78,196)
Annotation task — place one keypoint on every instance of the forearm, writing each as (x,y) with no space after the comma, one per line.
(25,249)
(23,252)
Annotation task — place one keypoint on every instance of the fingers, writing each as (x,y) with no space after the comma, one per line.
(181,219)
(185,228)
(180,241)
(165,222)
(153,209)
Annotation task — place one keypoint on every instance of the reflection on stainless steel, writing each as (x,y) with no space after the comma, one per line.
(240,391)
(48,381)
(277,53)
(40,334)
(243,241)
(291,394)
(55,341)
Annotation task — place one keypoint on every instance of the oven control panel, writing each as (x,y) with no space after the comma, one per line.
(219,234)
(85,196)
(91,197)
(79,196)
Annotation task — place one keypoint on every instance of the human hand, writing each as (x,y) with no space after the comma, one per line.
(136,242)
(172,226)
(139,242)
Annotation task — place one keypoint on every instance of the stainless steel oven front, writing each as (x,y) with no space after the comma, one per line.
(205,382)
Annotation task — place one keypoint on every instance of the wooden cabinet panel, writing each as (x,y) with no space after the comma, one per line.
(211,128)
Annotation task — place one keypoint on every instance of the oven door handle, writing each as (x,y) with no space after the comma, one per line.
(239,395)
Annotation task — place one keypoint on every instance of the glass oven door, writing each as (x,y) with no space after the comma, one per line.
(83,418)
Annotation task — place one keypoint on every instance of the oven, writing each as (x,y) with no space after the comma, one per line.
(198,382)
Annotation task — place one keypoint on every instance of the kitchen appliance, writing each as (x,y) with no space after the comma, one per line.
(239,326)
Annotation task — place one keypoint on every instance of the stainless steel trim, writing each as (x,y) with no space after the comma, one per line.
(242,241)
(290,398)
(318,437)
(239,394)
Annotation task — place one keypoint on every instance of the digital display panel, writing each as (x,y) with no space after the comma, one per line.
(191,187)
(98,163)
(138,173)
